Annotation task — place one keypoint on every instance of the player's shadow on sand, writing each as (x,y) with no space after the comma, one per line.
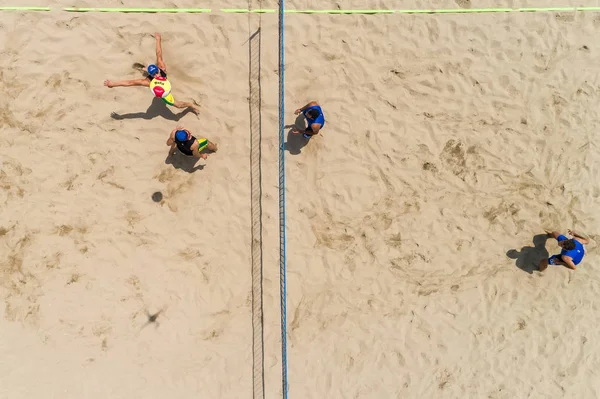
(528,258)
(156,108)
(296,141)
(183,162)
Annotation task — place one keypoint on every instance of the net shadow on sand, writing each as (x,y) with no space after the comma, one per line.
(256,201)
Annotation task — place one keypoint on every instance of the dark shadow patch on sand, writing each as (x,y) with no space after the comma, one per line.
(156,108)
(528,258)
(296,141)
(183,162)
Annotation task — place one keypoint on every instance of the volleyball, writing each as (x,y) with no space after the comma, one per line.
(160,87)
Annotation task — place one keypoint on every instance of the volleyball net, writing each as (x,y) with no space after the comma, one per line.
(282,236)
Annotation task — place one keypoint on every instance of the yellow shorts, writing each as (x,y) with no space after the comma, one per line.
(170,100)
(202,143)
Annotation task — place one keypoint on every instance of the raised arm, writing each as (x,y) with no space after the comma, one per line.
(554,234)
(159,58)
(127,83)
(171,143)
(310,104)
(171,139)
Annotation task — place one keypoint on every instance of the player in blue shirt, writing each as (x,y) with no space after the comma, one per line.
(571,254)
(314,119)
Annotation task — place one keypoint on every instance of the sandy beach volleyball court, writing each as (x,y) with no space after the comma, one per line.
(451,142)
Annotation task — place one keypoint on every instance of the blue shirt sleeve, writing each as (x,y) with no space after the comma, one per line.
(561,238)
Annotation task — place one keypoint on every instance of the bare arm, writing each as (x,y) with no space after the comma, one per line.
(159,58)
(578,237)
(554,234)
(172,149)
(569,262)
(171,142)
(127,83)
(310,104)
(171,139)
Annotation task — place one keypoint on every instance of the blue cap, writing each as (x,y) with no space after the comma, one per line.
(152,69)
(181,135)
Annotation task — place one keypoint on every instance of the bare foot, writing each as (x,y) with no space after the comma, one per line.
(157,36)
(203,156)
(108,83)
(196,108)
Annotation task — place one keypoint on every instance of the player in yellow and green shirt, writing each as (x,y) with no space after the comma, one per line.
(156,80)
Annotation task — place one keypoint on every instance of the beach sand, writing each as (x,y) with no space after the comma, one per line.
(413,221)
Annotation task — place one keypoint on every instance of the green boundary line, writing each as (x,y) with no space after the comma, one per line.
(140,10)
(339,11)
(266,11)
(246,11)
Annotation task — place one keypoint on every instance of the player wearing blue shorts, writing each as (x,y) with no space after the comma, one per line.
(314,119)
(572,251)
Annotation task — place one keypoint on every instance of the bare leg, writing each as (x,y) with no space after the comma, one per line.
(560,263)
(543,264)
(183,104)
(212,146)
